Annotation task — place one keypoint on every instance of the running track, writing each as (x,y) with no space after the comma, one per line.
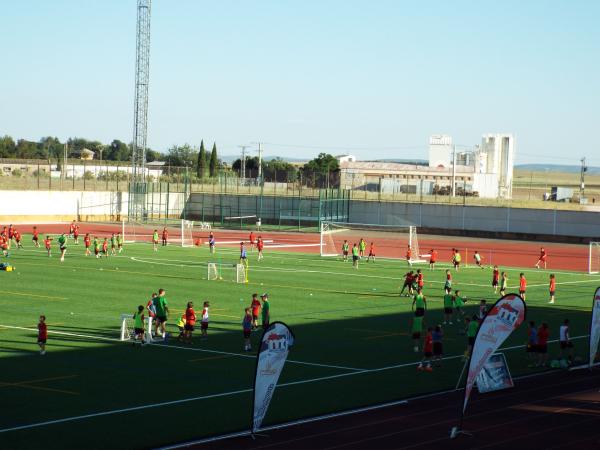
(556,410)
(506,253)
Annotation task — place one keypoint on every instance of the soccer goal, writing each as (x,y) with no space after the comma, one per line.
(594,258)
(390,242)
(127,328)
(228,272)
(187,233)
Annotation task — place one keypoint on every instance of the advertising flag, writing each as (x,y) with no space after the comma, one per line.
(273,351)
(595,327)
(505,316)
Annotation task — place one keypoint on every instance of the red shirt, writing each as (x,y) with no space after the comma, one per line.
(47,242)
(11,232)
(260,244)
(552,284)
(433,257)
(408,253)
(542,255)
(428,344)
(251,238)
(35,234)
(105,245)
(86,241)
(42,330)
(543,336)
(408,279)
(17,236)
(190,316)
(496,275)
(72,228)
(255,307)
(3,243)
(449,276)
(76,231)
(165,234)
(420,281)
(522,284)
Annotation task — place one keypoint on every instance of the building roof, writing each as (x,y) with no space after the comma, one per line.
(366,166)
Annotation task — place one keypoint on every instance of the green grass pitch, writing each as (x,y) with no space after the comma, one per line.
(352,342)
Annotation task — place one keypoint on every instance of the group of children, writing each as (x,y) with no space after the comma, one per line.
(537,344)
(358,251)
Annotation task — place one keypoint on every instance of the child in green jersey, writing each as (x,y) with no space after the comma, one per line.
(416,329)
(138,326)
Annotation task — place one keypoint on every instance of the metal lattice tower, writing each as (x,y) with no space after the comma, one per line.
(140,113)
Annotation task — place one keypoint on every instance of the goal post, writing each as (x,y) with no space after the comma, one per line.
(390,241)
(187,233)
(128,331)
(236,273)
(594,257)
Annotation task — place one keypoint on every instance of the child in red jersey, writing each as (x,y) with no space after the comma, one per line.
(427,352)
(251,240)
(432,259)
(105,247)
(542,258)
(42,334)
(409,255)
(255,307)
(76,234)
(17,236)
(371,252)
(259,246)
(190,321)
(408,282)
(72,229)
(48,244)
(36,237)
(420,280)
(4,245)
(165,237)
(87,241)
(522,285)
(552,287)
(495,278)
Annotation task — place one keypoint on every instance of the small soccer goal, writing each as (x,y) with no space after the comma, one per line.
(228,272)
(594,258)
(391,241)
(187,233)
(128,331)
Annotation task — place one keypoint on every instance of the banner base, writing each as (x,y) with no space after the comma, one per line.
(455,431)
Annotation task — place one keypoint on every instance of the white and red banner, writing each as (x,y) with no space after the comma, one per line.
(273,351)
(505,316)
(595,327)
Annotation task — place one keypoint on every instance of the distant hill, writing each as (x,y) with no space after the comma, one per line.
(556,168)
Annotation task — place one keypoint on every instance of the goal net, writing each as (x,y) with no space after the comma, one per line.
(128,329)
(228,272)
(594,258)
(390,242)
(180,232)
(187,233)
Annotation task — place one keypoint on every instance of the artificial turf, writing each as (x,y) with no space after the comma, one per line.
(353,346)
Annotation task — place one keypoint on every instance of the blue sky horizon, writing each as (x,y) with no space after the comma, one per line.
(373,79)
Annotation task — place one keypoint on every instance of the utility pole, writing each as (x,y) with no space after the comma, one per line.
(582,180)
(259,178)
(243,161)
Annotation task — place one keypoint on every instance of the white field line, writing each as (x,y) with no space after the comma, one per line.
(217,352)
(230,393)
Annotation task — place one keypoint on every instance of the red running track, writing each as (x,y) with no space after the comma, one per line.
(506,253)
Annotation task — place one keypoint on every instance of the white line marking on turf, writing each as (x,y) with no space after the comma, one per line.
(236,392)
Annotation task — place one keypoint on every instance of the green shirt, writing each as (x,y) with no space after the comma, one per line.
(458,302)
(265,310)
(472,328)
(354,251)
(420,301)
(345,247)
(119,239)
(362,245)
(96,244)
(112,241)
(417,324)
(448,301)
(62,241)
(137,320)
(160,303)
(457,257)
(155,236)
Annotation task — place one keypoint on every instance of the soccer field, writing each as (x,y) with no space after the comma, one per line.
(353,346)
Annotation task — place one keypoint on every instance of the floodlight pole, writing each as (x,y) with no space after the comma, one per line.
(582,179)
(453,170)
(243,161)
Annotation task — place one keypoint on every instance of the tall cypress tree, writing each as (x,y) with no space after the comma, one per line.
(201,169)
(213,161)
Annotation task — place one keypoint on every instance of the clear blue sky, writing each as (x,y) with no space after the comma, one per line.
(371,78)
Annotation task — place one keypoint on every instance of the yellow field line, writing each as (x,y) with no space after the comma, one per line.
(25,294)
(210,358)
(29,385)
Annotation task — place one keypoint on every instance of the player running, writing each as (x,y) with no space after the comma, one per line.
(432,259)
(48,244)
(36,237)
(345,250)
(87,243)
(260,244)
(477,259)
(495,278)
(552,288)
(542,258)
(371,252)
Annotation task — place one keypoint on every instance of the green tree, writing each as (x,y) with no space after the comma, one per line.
(181,156)
(201,163)
(214,162)
(28,150)
(279,170)
(322,171)
(8,148)
(118,151)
